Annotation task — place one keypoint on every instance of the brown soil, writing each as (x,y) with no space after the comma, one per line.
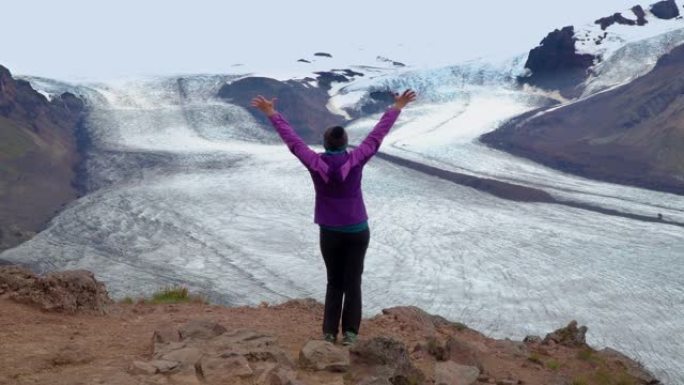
(38,347)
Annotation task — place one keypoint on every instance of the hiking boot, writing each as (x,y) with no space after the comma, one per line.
(330,337)
(349,338)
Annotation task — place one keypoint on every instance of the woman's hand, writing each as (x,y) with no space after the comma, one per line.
(405,98)
(266,106)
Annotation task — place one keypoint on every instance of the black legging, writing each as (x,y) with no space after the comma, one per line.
(343,254)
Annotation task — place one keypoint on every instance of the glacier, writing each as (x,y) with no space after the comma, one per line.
(185,188)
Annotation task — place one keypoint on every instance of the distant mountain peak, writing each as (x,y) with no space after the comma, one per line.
(565,58)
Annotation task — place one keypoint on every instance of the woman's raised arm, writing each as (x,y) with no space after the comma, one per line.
(371,144)
(309,158)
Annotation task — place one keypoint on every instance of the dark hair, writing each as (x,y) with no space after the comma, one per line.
(335,138)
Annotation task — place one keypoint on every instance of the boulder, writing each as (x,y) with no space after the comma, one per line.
(164,366)
(187,357)
(278,375)
(224,370)
(386,358)
(451,373)
(185,376)
(571,336)
(65,291)
(323,355)
(201,329)
(165,334)
(415,320)
(141,367)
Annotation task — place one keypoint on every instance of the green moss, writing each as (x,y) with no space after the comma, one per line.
(603,377)
(534,357)
(175,294)
(586,354)
(625,380)
(553,365)
(460,326)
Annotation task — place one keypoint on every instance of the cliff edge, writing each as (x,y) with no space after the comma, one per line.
(62,328)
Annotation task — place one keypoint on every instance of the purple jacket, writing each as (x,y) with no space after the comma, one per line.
(337,178)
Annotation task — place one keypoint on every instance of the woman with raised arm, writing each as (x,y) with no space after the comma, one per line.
(339,209)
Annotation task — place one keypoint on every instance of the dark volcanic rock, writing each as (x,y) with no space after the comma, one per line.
(666,9)
(640,14)
(39,153)
(606,22)
(376,101)
(302,105)
(326,78)
(387,60)
(322,54)
(631,135)
(555,63)
(303,61)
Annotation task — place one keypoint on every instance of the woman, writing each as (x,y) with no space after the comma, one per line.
(339,210)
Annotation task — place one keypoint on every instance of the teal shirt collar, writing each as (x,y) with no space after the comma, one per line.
(342,151)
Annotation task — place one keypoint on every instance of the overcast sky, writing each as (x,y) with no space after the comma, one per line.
(72,39)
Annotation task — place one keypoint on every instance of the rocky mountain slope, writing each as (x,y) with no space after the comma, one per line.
(38,157)
(305,101)
(63,329)
(567,59)
(633,134)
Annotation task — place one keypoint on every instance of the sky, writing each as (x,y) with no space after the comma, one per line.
(85,39)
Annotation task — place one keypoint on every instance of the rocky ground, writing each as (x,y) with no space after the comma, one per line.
(62,328)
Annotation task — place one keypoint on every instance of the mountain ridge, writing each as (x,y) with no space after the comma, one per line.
(39,156)
(631,135)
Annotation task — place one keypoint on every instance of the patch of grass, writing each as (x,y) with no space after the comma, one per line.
(553,365)
(168,295)
(603,377)
(587,354)
(436,349)
(625,380)
(579,381)
(172,294)
(460,326)
(534,357)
